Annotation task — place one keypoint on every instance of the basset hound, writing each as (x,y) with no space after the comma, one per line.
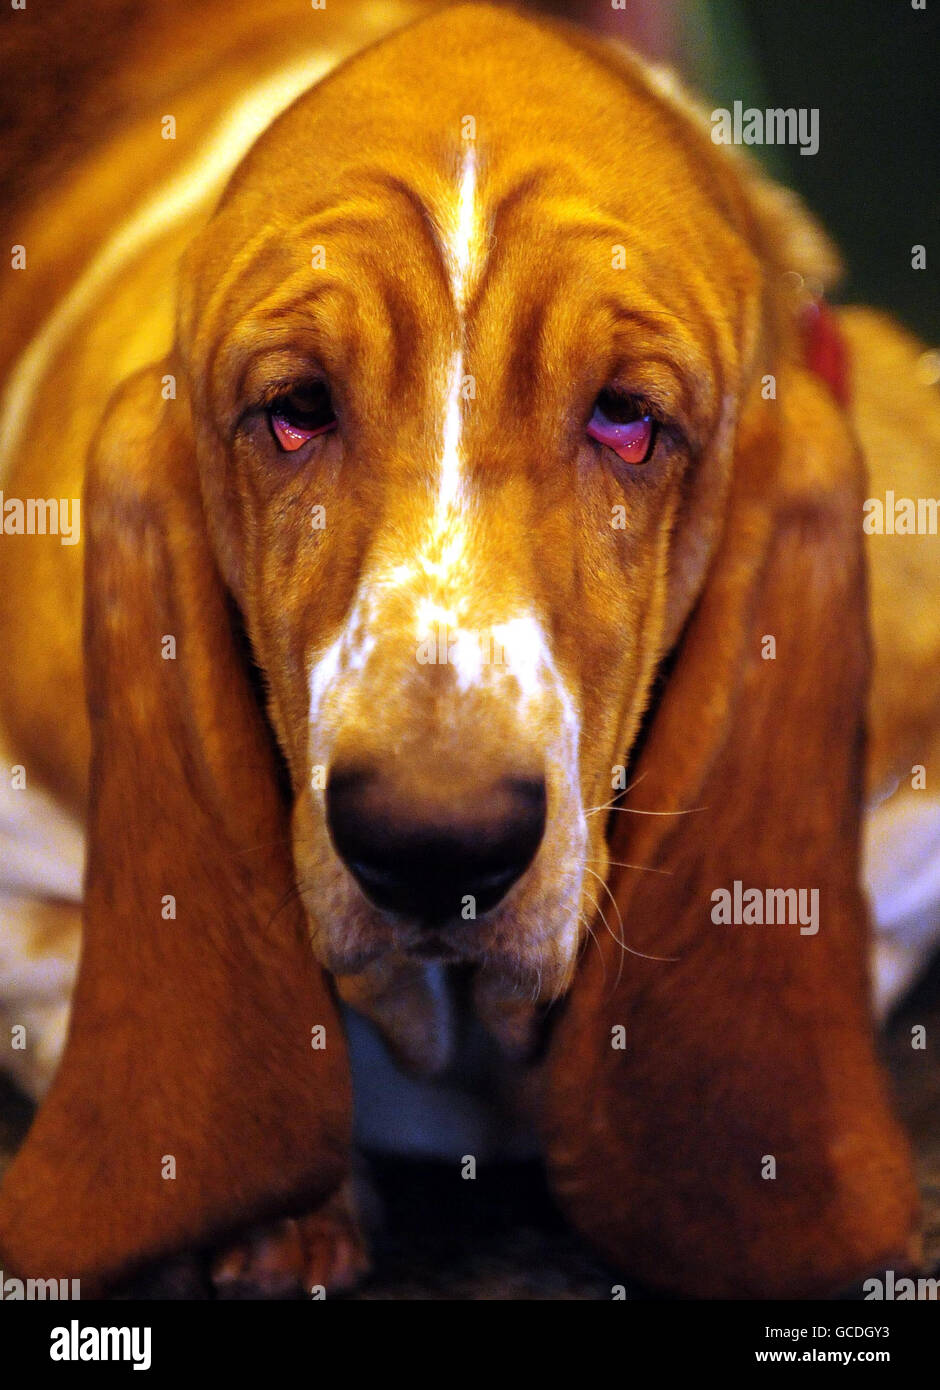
(468,542)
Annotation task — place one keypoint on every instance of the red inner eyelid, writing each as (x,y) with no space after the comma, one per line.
(630,439)
(290,436)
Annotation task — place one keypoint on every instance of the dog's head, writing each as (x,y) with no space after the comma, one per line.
(495,422)
(468,341)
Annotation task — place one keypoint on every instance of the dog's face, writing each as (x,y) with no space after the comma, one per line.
(467,343)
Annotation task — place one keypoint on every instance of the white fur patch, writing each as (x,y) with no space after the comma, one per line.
(322,675)
(438,574)
(41,860)
(526,652)
(902,874)
(46,1021)
(448,489)
(462,234)
(467,655)
(41,848)
(461,240)
(29,977)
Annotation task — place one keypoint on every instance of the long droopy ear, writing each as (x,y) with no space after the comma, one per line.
(716,1118)
(205,1079)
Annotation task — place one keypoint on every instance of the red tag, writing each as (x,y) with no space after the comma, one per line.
(826,350)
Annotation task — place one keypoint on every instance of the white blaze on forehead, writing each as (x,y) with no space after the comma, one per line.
(450,454)
(438,577)
(463,231)
(461,239)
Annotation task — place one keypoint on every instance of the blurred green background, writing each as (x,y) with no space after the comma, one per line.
(872,69)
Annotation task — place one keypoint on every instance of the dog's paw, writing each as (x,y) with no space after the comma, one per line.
(336,1252)
(267,1262)
(296,1258)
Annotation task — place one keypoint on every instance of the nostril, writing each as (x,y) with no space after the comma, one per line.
(422,853)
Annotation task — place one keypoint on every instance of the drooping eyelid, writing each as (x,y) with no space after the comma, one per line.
(268,375)
(629,384)
(656,352)
(638,404)
(281,390)
(265,394)
(670,406)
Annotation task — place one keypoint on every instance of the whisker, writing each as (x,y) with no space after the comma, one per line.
(623,792)
(600,912)
(270,844)
(622,944)
(633,811)
(610,895)
(623,864)
(556,993)
(583,917)
(294,892)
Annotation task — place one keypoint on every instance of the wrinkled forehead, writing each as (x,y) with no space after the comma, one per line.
(417,174)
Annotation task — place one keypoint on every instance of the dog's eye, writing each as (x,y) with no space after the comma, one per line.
(301,414)
(624,425)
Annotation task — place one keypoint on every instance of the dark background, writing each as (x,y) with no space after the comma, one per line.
(871,66)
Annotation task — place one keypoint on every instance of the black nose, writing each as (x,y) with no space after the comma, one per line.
(423,854)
